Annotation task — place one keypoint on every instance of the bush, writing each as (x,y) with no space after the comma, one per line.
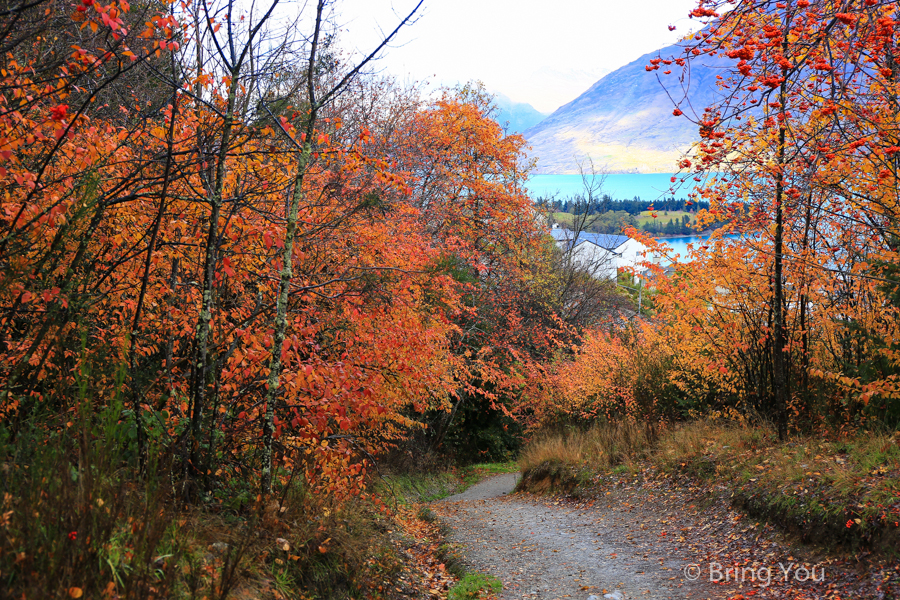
(73,523)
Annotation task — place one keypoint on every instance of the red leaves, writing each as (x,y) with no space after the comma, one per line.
(59,112)
(701,12)
(743,53)
(677,112)
(226,267)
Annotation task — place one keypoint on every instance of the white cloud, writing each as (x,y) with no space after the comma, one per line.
(536,51)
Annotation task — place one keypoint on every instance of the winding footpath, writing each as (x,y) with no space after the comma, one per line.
(547,550)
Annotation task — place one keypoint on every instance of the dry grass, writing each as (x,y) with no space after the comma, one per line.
(602,446)
(837,491)
(755,453)
(840,491)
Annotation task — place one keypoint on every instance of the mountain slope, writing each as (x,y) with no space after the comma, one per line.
(519,115)
(624,122)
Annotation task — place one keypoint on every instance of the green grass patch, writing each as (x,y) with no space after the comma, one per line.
(564,218)
(485,469)
(475,585)
(662,216)
(412,488)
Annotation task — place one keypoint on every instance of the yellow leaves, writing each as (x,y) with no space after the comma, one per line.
(75,592)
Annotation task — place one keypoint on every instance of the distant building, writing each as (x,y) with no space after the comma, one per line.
(603,255)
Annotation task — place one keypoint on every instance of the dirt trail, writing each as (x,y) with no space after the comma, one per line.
(545,550)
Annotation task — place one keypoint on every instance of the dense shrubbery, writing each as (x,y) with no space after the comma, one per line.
(226,274)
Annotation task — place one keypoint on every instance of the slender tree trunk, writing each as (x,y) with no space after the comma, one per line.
(201,339)
(57,311)
(284,290)
(170,343)
(145,280)
(445,426)
(780,376)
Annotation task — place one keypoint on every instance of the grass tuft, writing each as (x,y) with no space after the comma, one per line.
(474,586)
(602,446)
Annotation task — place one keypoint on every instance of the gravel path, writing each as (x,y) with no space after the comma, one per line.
(546,550)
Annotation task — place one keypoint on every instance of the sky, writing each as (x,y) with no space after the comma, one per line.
(543,52)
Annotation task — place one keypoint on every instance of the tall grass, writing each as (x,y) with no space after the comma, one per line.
(602,446)
(73,524)
(76,521)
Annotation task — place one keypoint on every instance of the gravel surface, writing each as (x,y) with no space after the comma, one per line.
(543,549)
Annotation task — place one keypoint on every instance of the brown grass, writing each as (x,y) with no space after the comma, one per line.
(834,491)
(602,446)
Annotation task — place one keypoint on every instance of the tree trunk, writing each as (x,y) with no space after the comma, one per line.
(780,376)
(284,289)
(201,339)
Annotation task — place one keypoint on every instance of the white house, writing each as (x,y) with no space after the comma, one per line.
(603,255)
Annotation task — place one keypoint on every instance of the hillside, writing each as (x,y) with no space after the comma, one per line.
(516,116)
(624,121)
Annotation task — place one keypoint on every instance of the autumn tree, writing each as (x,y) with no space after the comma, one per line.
(801,147)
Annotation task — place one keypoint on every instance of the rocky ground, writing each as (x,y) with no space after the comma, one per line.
(644,541)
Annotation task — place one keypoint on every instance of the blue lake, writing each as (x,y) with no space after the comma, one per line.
(651,186)
(680,244)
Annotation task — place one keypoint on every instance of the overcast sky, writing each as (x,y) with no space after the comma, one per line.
(544,52)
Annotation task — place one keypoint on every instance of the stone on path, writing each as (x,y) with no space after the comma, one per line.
(615,595)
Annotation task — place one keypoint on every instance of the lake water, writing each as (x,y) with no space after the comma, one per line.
(651,186)
(680,244)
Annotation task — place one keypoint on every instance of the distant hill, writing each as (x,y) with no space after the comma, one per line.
(520,115)
(624,121)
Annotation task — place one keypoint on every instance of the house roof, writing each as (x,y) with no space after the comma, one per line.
(603,240)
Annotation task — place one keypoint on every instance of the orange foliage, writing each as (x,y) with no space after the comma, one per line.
(142,256)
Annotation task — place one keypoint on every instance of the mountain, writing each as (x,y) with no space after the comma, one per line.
(624,122)
(519,115)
